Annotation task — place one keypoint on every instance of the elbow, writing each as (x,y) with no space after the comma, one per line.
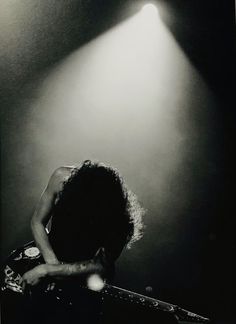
(34,224)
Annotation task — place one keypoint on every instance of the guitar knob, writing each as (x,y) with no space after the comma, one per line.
(32,252)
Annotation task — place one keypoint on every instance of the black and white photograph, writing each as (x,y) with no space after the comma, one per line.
(117,145)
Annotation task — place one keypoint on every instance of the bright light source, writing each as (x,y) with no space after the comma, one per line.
(150,9)
(95,282)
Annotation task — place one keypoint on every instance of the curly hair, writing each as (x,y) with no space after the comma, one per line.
(99,193)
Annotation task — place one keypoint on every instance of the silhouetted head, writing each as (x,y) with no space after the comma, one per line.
(97,193)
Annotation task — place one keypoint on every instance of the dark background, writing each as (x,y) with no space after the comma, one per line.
(186,255)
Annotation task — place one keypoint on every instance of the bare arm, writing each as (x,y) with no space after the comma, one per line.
(96,265)
(102,263)
(99,264)
(42,215)
(74,269)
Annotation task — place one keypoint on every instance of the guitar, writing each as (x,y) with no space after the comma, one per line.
(28,256)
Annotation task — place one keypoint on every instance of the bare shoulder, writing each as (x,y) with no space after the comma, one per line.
(58,177)
(63,172)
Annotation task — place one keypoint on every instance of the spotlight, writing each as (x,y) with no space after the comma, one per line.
(150,8)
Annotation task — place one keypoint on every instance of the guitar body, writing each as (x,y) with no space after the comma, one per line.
(66,303)
(71,301)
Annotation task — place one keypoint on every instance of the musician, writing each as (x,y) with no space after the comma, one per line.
(84,219)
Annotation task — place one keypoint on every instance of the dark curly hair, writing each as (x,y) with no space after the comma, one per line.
(99,193)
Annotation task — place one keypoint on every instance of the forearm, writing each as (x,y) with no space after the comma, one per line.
(74,269)
(42,242)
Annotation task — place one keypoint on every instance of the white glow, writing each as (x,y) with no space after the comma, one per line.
(150,9)
(123,98)
(95,282)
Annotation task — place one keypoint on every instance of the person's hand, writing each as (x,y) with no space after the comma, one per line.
(34,276)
